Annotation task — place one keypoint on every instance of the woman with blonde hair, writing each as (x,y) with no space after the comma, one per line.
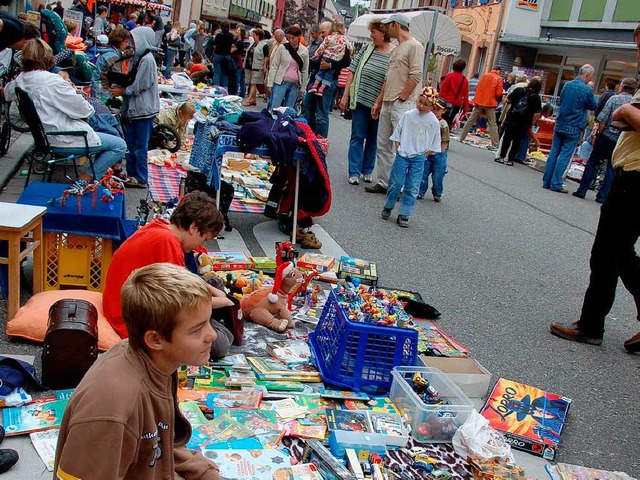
(62,109)
(173,47)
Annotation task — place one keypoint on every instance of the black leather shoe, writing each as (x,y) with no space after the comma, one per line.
(577,194)
(573,333)
(8,458)
(377,188)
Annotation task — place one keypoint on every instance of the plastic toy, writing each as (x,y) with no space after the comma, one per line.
(285,252)
(268,305)
(415,451)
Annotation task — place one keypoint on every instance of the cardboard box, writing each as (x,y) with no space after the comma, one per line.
(316,261)
(472,378)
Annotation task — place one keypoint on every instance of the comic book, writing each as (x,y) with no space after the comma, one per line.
(296,428)
(222,429)
(248,464)
(317,407)
(347,420)
(245,400)
(194,395)
(45,443)
(199,372)
(531,419)
(192,413)
(33,417)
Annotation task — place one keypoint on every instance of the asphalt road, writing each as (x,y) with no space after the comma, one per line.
(501,258)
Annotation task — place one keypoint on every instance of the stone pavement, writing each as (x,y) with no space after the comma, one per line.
(11,183)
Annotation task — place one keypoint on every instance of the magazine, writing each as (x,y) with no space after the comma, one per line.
(45,444)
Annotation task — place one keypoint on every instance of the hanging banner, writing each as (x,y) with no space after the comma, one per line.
(531,5)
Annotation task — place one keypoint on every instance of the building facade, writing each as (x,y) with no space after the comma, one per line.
(558,36)
(399,4)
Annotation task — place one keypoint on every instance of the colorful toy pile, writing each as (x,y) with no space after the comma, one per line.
(370,305)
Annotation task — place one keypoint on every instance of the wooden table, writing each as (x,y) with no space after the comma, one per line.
(21,223)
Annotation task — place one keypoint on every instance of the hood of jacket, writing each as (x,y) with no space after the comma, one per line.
(144,39)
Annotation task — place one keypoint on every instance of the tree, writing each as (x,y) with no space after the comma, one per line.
(304,15)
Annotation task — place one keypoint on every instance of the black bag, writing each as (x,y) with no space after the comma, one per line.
(125,79)
(520,107)
(70,344)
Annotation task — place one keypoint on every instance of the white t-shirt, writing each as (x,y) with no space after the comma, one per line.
(417,133)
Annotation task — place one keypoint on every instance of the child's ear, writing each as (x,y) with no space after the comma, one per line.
(153,340)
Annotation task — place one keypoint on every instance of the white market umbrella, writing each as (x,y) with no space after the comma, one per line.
(447,38)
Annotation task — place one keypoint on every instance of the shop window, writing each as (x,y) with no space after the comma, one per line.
(577,62)
(551,59)
(560,10)
(592,10)
(626,11)
(550,83)
(621,66)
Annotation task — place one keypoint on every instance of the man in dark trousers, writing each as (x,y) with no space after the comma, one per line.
(613,253)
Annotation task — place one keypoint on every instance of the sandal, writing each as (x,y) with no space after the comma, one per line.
(134,183)
(120,173)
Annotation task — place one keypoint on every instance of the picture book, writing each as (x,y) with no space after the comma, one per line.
(263,423)
(199,372)
(273,386)
(229,361)
(296,428)
(317,407)
(248,464)
(531,419)
(215,382)
(316,261)
(290,352)
(352,267)
(432,340)
(347,420)
(246,400)
(33,417)
(229,260)
(302,471)
(379,404)
(194,395)
(62,394)
(565,471)
(263,263)
(219,430)
(192,413)
(45,444)
(239,378)
(272,369)
(387,424)
(343,395)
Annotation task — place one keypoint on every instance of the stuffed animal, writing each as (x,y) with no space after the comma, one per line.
(268,305)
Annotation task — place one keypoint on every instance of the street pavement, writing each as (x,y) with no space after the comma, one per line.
(501,258)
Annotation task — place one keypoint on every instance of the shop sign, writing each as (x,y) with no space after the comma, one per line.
(466,23)
(531,5)
(443,50)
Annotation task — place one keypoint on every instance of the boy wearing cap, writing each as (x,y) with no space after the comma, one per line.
(436,163)
(397,96)
(123,419)
(417,133)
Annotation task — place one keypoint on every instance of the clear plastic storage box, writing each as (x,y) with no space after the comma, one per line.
(430,423)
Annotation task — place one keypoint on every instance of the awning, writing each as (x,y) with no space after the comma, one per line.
(158,6)
(566,42)
(447,38)
(138,3)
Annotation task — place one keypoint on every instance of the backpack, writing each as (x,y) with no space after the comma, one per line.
(70,344)
(521,106)
(125,79)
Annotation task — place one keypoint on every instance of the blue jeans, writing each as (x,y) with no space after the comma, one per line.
(325,77)
(170,58)
(111,151)
(137,136)
(241,86)
(363,144)
(562,148)
(317,109)
(406,172)
(521,156)
(436,166)
(602,151)
(220,72)
(284,94)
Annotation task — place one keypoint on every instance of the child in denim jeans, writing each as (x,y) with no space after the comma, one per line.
(436,163)
(417,132)
(332,49)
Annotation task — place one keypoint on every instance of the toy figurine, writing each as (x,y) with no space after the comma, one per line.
(285,252)
(268,306)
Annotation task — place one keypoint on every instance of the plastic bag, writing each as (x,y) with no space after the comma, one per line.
(476,439)
(182,81)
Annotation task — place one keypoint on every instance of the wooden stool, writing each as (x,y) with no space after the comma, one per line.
(16,222)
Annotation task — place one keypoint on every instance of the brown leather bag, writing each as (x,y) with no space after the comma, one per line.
(70,344)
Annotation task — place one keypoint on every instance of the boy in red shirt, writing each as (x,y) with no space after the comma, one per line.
(194,221)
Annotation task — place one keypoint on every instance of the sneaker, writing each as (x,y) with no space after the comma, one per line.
(312,90)
(385,214)
(509,163)
(8,458)
(562,190)
(420,197)
(319,93)
(377,188)
(573,333)
(403,221)
(437,199)
(354,181)
(632,345)
(498,160)
(367,178)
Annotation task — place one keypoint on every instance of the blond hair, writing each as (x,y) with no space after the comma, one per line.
(337,27)
(36,55)
(153,297)
(187,108)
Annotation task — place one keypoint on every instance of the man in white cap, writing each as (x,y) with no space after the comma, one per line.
(398,95)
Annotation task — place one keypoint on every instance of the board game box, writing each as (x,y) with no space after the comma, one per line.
(229,261)
(316,261)
(530,419)
(352,267)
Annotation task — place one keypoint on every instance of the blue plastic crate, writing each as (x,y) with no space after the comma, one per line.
(359,356)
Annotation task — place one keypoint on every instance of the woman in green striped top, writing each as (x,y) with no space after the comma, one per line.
(366,76)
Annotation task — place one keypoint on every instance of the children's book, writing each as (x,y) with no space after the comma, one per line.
(62,394)
(280,386)
(45,444)
(199,372)
(348,420)
(194,395)
(272,369)
(263,263)
(290,352)
(262,422)
(248,464)
(239,378)
(530,418)
(379,404)
(352,267)
(302,471)
(192,413)
(297,429)
(565,471)
(432,340)
(317,407)
(229,260)
(246,400)
(229,361)
(215,382)
(316,261)
(219,430)
(33,417)
(343,395)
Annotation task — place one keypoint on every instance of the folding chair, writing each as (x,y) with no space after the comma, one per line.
(42,158)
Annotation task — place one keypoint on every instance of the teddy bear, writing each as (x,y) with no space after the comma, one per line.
(268,305)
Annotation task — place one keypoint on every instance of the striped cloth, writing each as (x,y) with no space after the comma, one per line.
(164,182)
(372,76)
